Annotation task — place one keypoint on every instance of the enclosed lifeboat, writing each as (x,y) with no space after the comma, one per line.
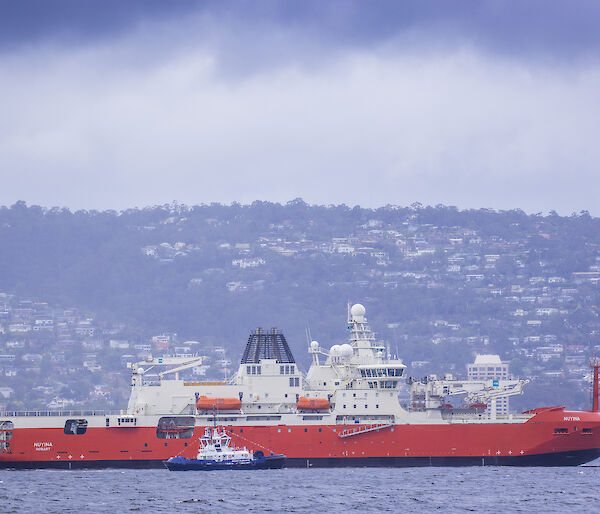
(478,406)
(312,404)
(205,403)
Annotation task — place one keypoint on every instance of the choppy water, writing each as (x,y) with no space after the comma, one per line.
(491,489)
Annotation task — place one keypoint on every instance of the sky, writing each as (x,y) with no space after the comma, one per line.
(111,104)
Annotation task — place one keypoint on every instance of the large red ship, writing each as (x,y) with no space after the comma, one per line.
(344,412)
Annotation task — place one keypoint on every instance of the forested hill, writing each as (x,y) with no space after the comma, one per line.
(439,284)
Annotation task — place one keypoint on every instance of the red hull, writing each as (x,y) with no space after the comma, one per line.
(444,444)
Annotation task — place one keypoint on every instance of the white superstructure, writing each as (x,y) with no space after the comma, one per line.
(355,382)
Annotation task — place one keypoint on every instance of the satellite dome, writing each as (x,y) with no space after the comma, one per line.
(346,351)
(358,310)
(141,371)
(334,350)
(314,346)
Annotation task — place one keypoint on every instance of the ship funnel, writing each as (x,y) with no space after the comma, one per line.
(267,345)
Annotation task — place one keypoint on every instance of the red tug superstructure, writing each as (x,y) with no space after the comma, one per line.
(344,412)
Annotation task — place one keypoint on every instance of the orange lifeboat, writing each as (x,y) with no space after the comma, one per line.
(205,403)
(312,404)
(478,406)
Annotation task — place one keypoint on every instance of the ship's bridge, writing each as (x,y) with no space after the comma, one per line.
(361,363)
(383,375)
(381,370)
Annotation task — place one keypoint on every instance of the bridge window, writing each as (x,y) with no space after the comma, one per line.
(253,370)
(561,430)
(126,421)
(587,431)
(381,372)
(6,433)
(76,426)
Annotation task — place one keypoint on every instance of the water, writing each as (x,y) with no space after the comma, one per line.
(492,489)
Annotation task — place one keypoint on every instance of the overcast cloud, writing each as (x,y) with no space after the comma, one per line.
(120,104)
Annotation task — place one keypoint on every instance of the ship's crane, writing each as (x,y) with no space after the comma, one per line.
(182,363)
(432,391)
(484,391)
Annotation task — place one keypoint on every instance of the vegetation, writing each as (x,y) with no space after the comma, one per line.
(171,268)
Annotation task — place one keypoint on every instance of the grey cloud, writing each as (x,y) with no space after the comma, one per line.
(112,104)
(557,28)
(369,129)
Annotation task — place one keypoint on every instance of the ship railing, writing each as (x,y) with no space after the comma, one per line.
(74,413)
(348,432)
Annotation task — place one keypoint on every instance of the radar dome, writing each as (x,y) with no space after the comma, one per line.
(346,351)
(358,310)
(334,350)
(141,371)
(314,346)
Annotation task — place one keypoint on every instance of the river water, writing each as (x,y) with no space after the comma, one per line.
(490,489)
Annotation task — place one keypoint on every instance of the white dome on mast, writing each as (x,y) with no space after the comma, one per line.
(358,312)
(346,351)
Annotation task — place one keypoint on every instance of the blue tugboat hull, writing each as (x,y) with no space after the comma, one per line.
(183,464)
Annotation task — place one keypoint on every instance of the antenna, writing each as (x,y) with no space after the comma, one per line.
(308,334)
(595,364)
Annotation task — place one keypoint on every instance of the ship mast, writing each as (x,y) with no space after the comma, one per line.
(595,364)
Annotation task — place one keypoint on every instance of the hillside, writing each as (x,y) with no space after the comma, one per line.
(439,284)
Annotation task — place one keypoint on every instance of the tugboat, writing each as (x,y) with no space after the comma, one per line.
(215,452)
